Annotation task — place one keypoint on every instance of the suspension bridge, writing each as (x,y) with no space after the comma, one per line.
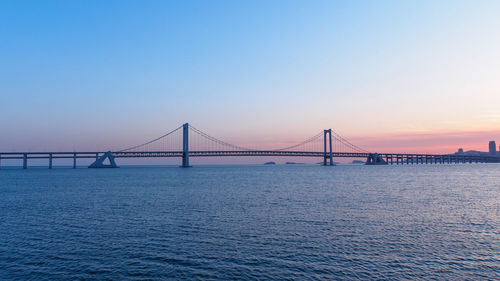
(187,141)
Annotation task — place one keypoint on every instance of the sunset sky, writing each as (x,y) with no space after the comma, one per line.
(408,76)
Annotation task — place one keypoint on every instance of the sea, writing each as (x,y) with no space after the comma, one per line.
(255,222)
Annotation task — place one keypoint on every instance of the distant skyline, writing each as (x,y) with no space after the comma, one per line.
(388,75)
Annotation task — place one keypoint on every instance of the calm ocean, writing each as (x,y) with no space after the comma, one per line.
(299,222)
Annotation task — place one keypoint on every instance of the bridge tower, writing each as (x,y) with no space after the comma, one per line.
(185,146)
(326,154)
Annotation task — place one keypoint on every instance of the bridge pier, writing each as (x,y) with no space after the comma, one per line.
(50,160)
(74,160)
(375,159)
(99,163)
(185,146)
(25,161)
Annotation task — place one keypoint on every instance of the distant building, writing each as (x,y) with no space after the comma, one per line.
(460,151)
(493,148)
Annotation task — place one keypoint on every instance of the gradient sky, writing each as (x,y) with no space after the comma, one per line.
(413,76)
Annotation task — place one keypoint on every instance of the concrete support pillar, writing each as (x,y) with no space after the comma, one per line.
(25,161)
(324,148)
(50,160)
(331,146)
(74,160)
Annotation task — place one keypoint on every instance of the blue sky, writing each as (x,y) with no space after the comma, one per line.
(107,74)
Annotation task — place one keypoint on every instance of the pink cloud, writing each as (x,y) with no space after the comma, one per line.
(432,142)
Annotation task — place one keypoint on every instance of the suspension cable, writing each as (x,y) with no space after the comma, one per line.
(146,143)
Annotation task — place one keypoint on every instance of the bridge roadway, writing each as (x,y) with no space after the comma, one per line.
(390,158)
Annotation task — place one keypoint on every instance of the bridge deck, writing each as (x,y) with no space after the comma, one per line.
(250,153)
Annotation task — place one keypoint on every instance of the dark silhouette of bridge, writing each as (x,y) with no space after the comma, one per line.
(187,141)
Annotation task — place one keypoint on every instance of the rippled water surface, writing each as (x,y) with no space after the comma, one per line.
(251,222)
